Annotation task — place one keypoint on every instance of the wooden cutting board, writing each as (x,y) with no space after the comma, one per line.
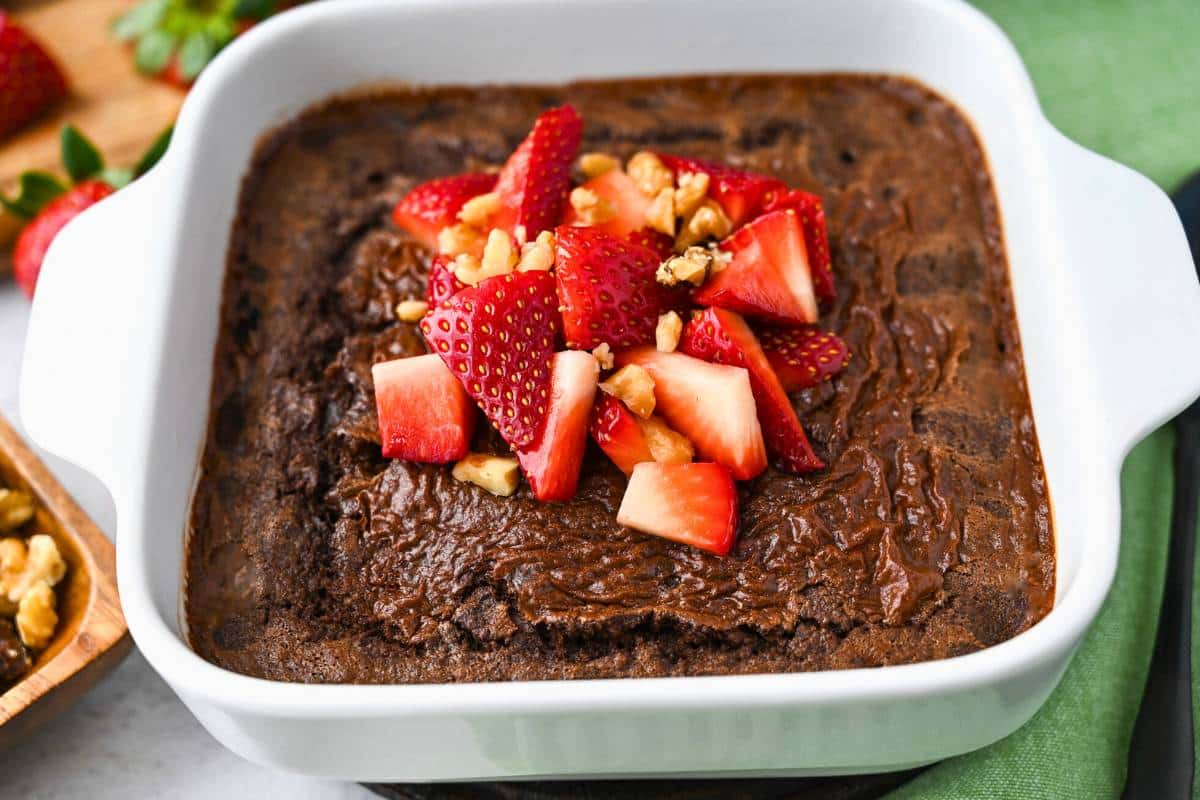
(118,109)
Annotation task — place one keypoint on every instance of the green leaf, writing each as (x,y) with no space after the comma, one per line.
(36,189)
(154,51)
(139,20)
(151,156)
(80,156)
(195,53)
(116,177)
(253,9)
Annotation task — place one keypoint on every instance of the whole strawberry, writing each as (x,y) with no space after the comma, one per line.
(30,81)
(49,205)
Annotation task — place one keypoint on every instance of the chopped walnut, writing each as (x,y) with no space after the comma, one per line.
(693,187)
(16,508)
(591,208)
(649,173)
(12,564)
(43,564)
(460,239)
(538,255)
(660,215)
(666,445)
(693,266)
(603,355)
(498,474)
(593,165)
(666,335)
(411,310)
(36,616)
(708,221)
(467,268)
(479,209)
(633,386)
(500,254)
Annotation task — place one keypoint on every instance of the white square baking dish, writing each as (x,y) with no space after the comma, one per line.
(119,358)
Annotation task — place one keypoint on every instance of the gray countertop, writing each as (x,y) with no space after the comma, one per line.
(130,737)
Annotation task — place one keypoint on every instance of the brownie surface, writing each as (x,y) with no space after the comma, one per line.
(311,558)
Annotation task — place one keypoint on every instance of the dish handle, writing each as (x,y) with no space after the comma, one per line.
(1139,290)
(81,349)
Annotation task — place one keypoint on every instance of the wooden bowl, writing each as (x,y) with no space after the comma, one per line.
(92,637)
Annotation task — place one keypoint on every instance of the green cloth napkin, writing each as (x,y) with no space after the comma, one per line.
(1123,78)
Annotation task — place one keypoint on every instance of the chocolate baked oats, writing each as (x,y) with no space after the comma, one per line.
(924,533)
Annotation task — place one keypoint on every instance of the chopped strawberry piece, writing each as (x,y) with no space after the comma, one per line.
(811,211)
(659,243)
(627,201)
(536,179)
(30,248)
(30,80)
(742,194)
(498,339)
(441,283)
(711,404)
(769,277)
(803,357)
(435,204)
(723,337)
(424,413)
(552,462)
(616,430)
(607,289)
(696,504)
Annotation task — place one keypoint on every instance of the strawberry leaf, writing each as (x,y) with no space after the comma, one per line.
(195,53)
(139,20)
(80,156)
(35,190)
(151,156)
(116,177)
(154,50)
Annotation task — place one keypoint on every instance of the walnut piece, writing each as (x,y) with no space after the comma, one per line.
(36,616)
(12,564)
(498,474)
(459,239)
(666,334)
(593,165)
(666,445)
(693,187)
(500,254)
(479,209)
(591,208)
(693,266)
(538,255)
(660,214)
(708,221)
(649,173)
(43,564)
(633,386)
(603,355)
(411,310)
(16,508)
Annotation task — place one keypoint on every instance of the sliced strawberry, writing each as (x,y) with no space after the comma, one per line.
(742,194)
(769,277)
(627,201)
(552,462)
(536,179)
(607,289)
(498,339)
(711,404)
(659,243)
(696,504)
(441,283)
(803,357)
(811,211)
(616,430)
(31,246)
(435,204)
(723,337)
(30,81)
(424,413)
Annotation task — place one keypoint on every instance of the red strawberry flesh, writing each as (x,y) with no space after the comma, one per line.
(743,195)
(711,404)
(769,276)
(435,204)
(803,357)
(616,430)
(535,181)
(441,283)
(626,199)
(31,246)
(696,504)
(723,337)
(811,211)
(498,340)
(552,463)
(424,413)
(30,80)
(607,289)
